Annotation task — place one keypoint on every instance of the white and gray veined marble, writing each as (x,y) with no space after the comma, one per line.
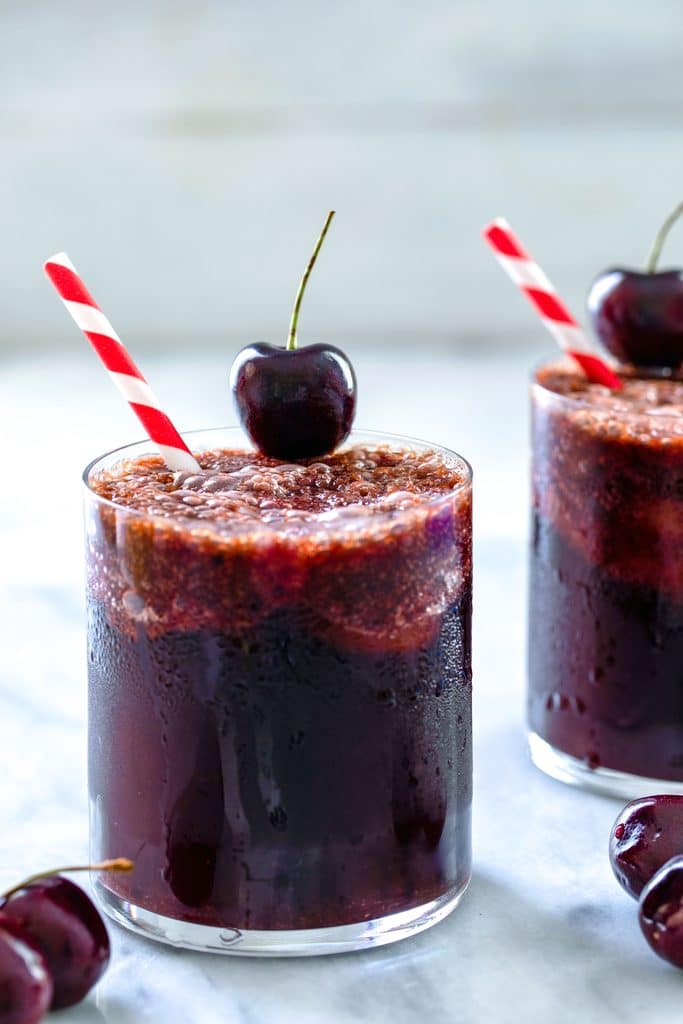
(544,935)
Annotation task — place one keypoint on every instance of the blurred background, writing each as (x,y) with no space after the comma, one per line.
(184,153)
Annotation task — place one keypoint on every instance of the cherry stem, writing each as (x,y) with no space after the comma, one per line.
(118,864)
(656,249)
(291,340)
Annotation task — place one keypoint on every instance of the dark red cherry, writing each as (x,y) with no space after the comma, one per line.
(295,403)
(661,912)
(647,834)
(64,923)
(25,982)
(638,315)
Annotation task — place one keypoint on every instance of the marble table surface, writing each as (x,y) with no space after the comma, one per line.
(544,933)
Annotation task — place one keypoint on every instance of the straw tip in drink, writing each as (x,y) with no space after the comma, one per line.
(180,460)
(597,370)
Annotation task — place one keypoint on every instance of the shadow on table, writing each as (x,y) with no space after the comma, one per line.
(499,957)
(502,957)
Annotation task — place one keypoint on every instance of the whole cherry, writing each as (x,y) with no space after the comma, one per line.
(295,403)
(61,920)
(25,982)
(661,911)
(647,834)
(638,315)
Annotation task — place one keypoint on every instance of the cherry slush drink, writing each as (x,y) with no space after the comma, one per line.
(606,581)
(280,682)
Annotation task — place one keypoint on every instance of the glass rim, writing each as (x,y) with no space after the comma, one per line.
(578,401)
(146,446)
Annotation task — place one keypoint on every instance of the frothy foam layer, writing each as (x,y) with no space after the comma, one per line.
(649,411)
(369,547)
(608,473)
(241,488)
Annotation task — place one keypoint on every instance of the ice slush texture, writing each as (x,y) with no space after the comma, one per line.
(280,684)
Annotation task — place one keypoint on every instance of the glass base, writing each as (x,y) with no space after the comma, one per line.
(305,942)
(574,772)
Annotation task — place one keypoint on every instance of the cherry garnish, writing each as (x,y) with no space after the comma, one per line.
(61,920)
(661,912)
(295,403)
(638,315)
(647,834)
(25,982)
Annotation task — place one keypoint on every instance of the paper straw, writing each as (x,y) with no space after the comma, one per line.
(122,370)
(532,282)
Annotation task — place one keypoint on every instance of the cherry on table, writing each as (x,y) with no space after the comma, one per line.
(661,912)
(25,982)
(64,924)
(63,921)
(647,834)
(295,403)
(638,315)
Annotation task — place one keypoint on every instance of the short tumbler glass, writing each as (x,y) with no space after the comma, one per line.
(606,596)
(280,724)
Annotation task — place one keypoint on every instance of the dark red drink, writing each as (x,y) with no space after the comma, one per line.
(606,581)
(280,690)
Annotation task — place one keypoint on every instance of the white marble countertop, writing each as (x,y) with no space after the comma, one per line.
(544,933)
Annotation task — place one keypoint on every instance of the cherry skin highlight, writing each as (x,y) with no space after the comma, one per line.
(638,315)
(63,922)
(661,912)
(295,404)
(647,834)
(25,982)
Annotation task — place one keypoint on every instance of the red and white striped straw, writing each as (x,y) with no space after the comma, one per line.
(530,279)
(122,370)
